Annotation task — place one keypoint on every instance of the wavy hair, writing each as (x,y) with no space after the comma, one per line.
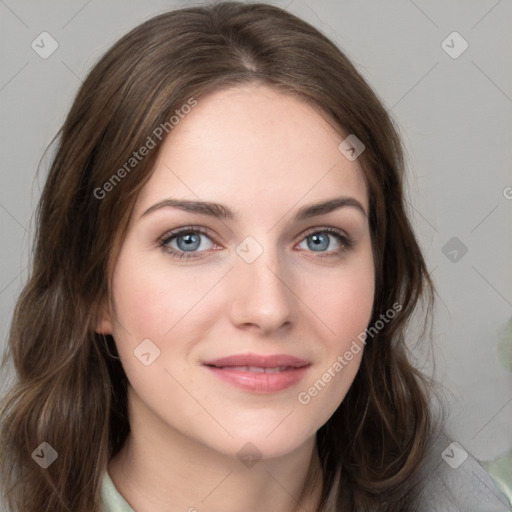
(70,388)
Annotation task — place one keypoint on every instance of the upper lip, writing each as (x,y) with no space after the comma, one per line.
(257,360)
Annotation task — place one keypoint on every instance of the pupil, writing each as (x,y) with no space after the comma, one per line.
(320,242)
(188,242)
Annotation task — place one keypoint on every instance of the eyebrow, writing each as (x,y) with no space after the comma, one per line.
(220,211)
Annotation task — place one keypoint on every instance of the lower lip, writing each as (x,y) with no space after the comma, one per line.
(260,382)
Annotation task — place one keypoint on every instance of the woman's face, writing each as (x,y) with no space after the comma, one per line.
(280,286)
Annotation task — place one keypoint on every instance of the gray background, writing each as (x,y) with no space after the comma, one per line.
(455,115)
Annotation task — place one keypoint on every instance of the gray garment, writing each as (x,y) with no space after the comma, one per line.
(455,482)
(452,481)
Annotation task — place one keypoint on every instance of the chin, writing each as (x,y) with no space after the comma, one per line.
(264,441)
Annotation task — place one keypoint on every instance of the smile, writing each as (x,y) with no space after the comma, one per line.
(259,373)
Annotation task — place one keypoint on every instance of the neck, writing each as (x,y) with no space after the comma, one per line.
(160,469)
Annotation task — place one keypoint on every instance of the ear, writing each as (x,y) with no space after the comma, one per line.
(104,323)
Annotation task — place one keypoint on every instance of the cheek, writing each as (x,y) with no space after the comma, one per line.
(352,304)
(138,302)
(150,299)
(343,300)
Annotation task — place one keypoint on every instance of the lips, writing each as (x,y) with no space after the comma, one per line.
(257,369)
(258,361)
(259,373)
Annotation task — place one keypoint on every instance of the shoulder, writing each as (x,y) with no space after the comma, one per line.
(454,481)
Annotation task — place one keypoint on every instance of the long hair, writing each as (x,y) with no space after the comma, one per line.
(70,388)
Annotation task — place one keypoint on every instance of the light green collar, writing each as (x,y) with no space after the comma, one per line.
(111,499)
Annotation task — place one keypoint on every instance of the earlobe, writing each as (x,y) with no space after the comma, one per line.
(104,326)
(104,323)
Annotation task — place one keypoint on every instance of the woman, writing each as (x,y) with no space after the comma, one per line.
(222,278)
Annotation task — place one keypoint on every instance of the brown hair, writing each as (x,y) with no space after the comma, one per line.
(71,388)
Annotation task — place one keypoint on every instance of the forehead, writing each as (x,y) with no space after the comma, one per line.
(253,145)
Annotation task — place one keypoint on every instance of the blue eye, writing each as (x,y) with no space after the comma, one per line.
(319,241)
(184,242)
(189,242)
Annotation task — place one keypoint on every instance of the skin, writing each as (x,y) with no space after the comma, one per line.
(264,155)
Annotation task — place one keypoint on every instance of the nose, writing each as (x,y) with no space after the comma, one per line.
(262,294)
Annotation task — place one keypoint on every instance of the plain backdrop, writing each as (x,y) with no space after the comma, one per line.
(454,111)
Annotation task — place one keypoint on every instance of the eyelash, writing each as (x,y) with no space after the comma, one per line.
(345,241)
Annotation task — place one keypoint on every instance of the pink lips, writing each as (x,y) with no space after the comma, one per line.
(259,373)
